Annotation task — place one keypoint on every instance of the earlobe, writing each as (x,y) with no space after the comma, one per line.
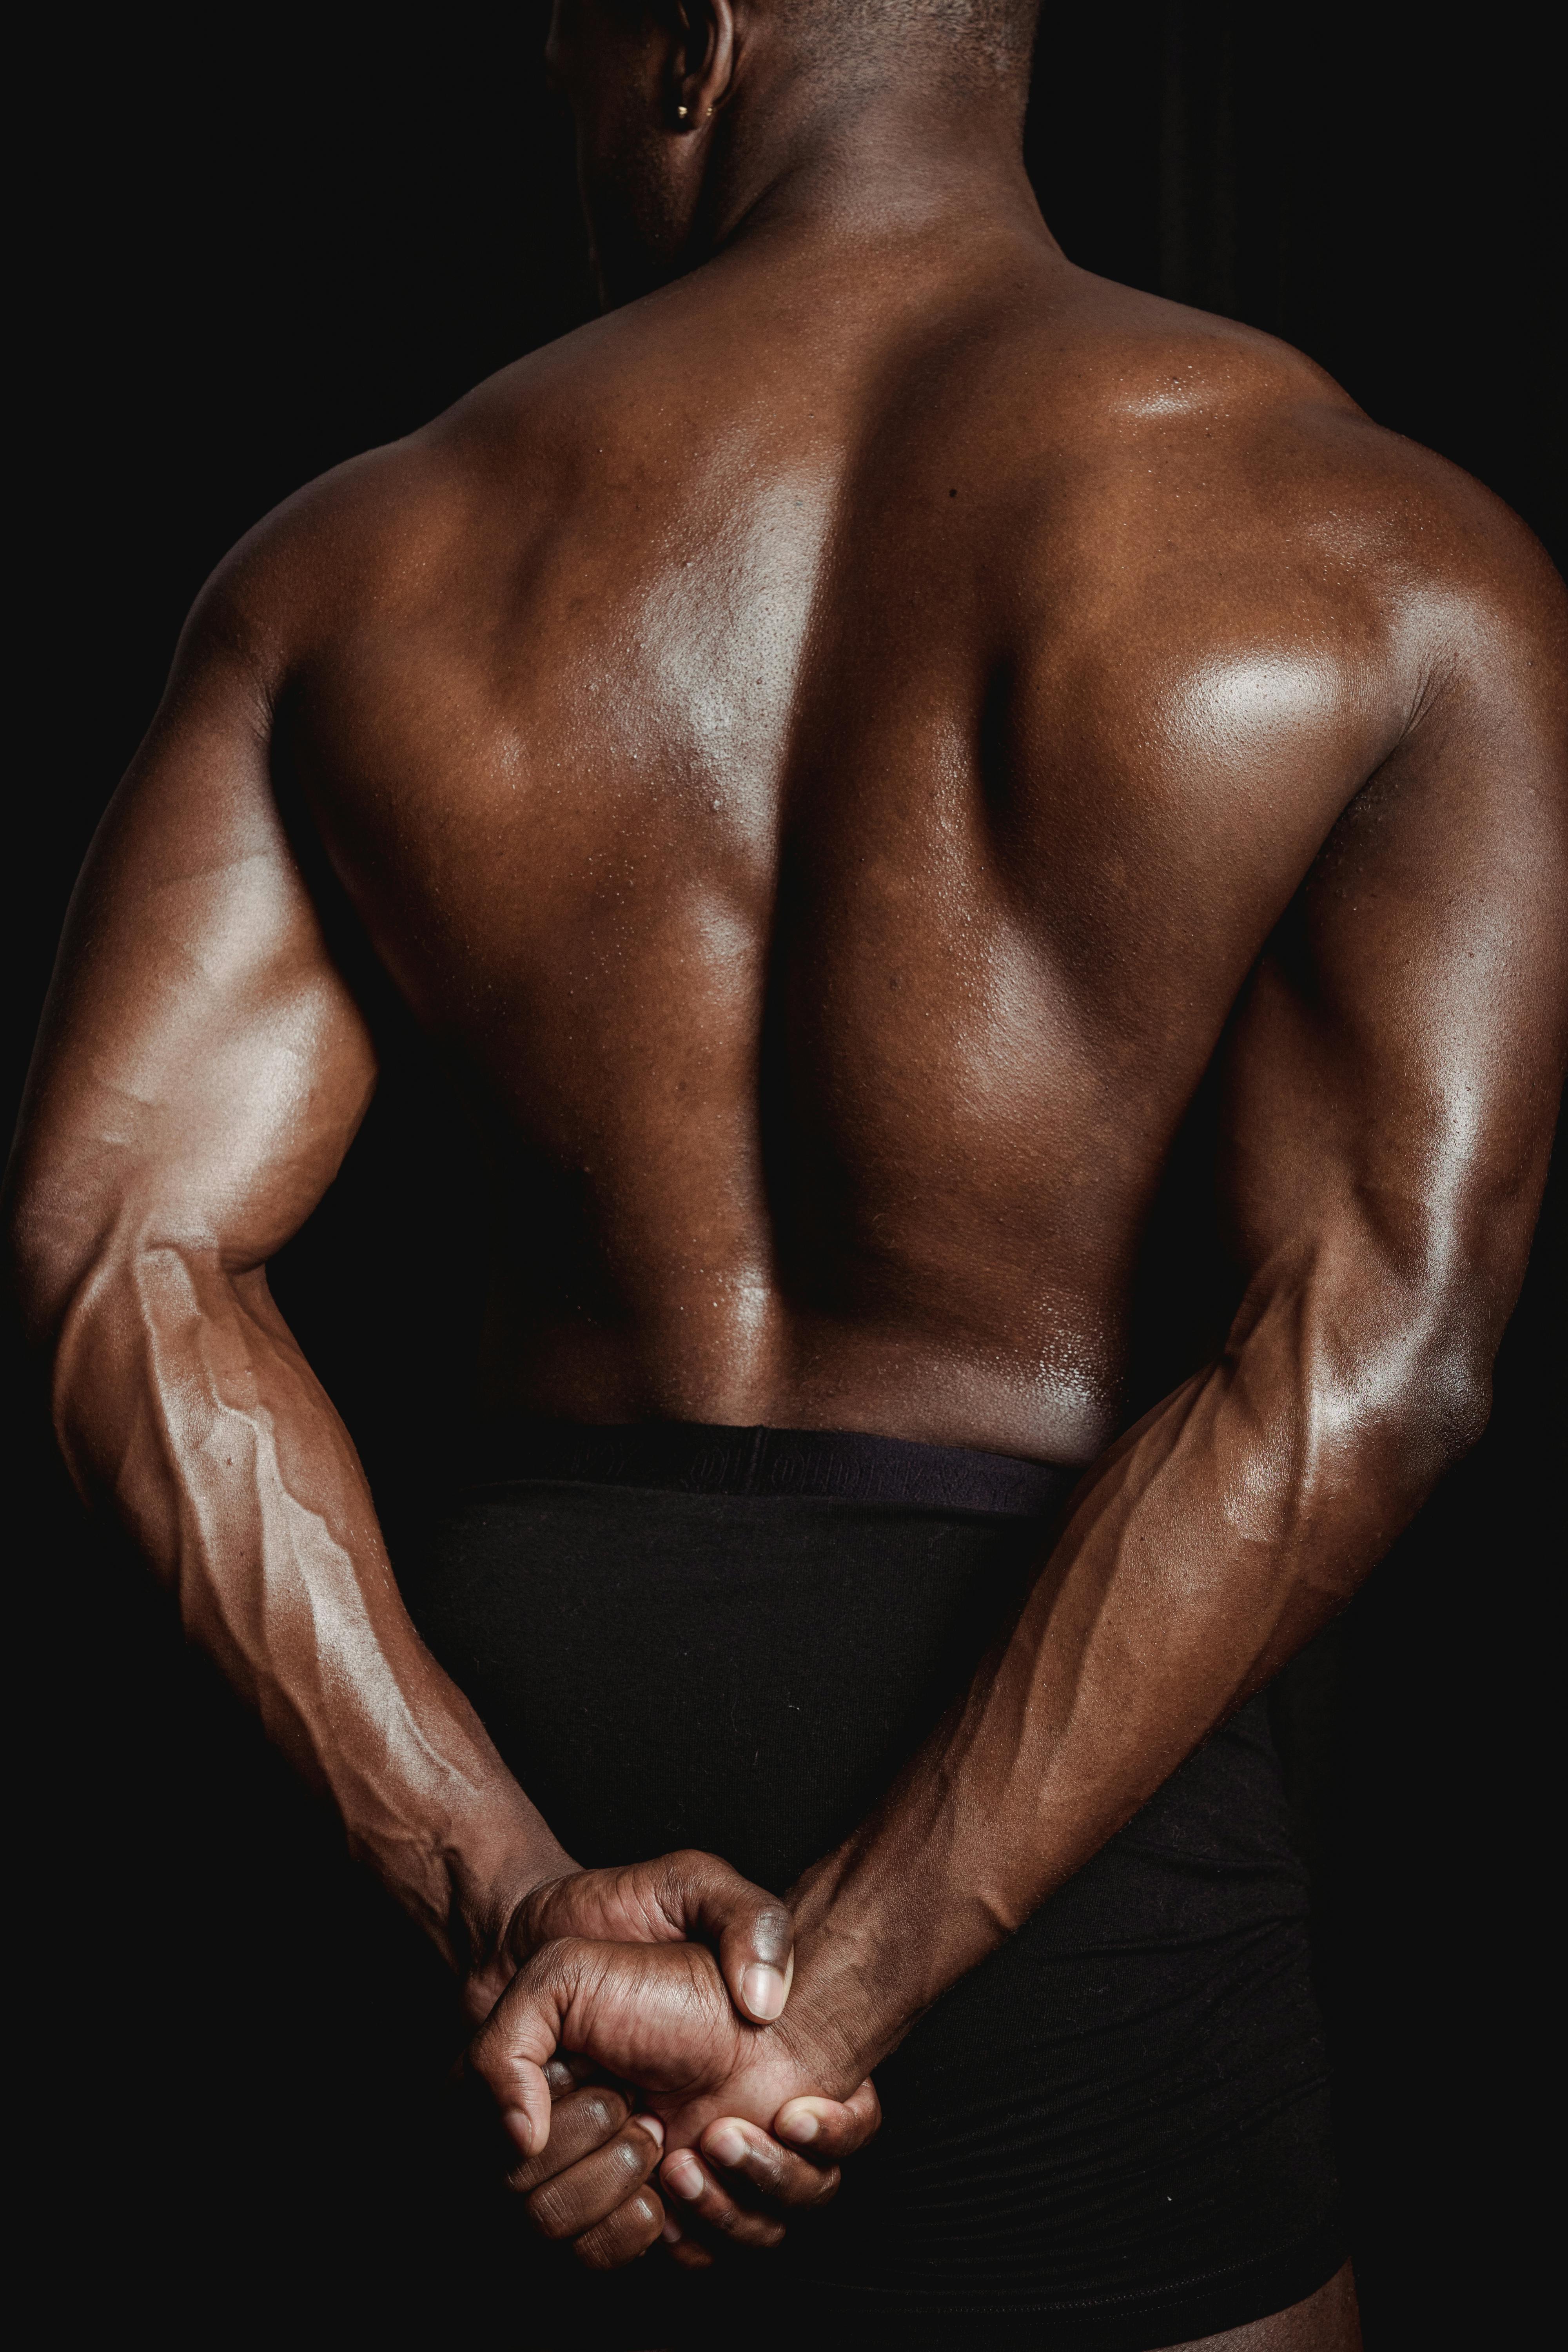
(702,88)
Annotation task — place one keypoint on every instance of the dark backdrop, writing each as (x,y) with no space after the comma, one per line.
(262,245)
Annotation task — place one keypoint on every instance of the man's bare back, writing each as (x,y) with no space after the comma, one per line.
(832,788)
(833,752)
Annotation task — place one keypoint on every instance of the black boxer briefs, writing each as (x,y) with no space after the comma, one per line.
(1114,2133)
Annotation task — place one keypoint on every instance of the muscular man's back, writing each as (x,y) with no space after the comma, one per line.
(834,752)
(826,745)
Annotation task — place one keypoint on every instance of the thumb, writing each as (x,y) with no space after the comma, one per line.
(751,1929)
(759,1986)
(829,2129)
(516,2043)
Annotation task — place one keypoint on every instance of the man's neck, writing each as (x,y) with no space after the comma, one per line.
(800,167)
(899,160)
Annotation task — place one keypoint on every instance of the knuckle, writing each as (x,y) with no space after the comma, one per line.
(763,2167)
(602,2112)
(627,2231)
(633,2159)
(548,1964)
(549,2211)
(693,1871)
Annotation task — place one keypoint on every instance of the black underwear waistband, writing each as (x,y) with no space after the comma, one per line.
(712,1458)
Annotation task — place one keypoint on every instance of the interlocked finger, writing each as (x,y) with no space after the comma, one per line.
(743,2153)
(698,2197)
(623,2235)
(830,2129)
(581,2120)
(576,2201)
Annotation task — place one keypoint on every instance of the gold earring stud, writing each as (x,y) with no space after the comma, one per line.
(683,114)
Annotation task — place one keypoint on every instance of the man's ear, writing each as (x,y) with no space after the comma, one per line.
(704,65)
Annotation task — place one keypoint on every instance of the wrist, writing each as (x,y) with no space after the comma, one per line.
(883,1927)
(491,1891)
(852,1999)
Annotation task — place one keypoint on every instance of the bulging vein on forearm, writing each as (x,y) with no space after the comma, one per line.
(214,1441)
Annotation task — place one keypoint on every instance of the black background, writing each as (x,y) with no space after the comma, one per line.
(262,245)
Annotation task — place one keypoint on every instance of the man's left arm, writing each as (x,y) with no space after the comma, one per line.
(1392,1089)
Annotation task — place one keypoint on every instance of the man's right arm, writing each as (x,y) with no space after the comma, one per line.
(200,1073)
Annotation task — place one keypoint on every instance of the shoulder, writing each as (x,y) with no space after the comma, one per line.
(1226,474)
(336,546)
(1207,400)
(376,537)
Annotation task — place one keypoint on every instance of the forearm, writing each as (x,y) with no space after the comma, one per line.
(1203,1551)
(183,1402)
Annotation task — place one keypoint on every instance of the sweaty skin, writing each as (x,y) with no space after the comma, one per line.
(833,751)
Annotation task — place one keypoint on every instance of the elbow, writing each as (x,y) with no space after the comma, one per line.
(1445,1405)
(1413,1387)
(101,1308)
(71,1246)
(62,1241)
(70,1272)
(50,1277)
(46,1265)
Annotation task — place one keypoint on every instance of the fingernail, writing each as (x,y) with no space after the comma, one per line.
(683,2174)
(725,2143)
(521,2131)
(651,2125)
(671,2230)
(762,1990)
(799,2129)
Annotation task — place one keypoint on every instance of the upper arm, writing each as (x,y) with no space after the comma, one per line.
(1394,1075)
(201,1066)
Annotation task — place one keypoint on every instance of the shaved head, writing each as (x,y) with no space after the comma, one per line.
(989,37)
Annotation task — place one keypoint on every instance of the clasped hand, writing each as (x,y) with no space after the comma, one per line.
(624,2048)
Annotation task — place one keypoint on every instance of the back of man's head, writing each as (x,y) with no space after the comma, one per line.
(963,40)
(689,112)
